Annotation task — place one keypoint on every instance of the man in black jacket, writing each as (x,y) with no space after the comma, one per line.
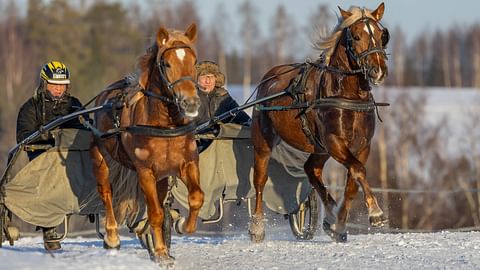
(50,101)
(214,98)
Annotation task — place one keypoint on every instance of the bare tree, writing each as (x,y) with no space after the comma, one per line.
(322,19)
(421,49)
(398,57)
(12,52)
(321,22)
(249,34)
(221,34)
(383,162)
(445,60)
(454,43)
(473,38)
(281,32)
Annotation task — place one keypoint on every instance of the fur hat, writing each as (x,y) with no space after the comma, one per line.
(209,67)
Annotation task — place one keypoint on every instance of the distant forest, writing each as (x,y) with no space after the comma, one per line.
(101,40)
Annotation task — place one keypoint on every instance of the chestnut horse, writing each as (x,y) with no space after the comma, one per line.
(329,112)
(163,100)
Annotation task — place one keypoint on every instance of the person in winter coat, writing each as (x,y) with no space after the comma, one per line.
(214,98)
(51,100)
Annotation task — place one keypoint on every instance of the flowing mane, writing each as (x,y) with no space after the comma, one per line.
(326,45)
(145,61)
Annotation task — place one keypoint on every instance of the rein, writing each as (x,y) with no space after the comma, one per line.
(345,72)
(149,131)
(341,103)
(157,96)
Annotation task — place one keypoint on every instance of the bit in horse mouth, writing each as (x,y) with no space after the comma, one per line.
(191,115)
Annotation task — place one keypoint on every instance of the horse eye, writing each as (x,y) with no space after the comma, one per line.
(356,37)
(385,37)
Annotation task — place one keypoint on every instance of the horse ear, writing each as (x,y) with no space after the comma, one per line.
(162,36)
(191,32)
(345,14)
(378,13)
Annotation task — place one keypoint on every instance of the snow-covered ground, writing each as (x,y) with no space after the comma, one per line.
(444,250)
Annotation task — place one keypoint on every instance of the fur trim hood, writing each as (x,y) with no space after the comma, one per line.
(208,67)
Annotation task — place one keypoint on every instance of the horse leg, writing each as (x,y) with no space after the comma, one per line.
(262,150)
(314,168)
(256,227)
(375,213)
(148,185)
(356,174)
(101,172)
(190,175)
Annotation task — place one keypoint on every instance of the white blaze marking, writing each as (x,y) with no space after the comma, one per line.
(180,54)
(365,28)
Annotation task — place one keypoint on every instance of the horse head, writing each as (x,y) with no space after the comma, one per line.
(365,40)
(174,62)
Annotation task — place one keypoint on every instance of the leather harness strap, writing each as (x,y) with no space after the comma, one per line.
(298,93)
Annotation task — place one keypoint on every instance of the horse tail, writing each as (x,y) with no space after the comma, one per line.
(127,196)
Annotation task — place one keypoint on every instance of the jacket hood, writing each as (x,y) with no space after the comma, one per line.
(208,67)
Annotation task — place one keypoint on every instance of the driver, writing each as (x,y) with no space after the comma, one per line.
(51,100)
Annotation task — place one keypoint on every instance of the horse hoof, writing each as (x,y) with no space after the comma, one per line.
(257,238)
(256,229)
(378,221)
(336,236)
(341,237)
(107,246)
(164,261)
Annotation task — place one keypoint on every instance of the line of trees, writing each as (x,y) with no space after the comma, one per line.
(100,41)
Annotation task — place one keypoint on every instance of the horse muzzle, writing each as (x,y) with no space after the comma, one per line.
(376,75)
(190,106)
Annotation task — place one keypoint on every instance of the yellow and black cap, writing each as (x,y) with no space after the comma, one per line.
(55,72)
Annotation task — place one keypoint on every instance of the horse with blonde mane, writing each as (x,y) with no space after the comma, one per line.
(329,111)
(152,133)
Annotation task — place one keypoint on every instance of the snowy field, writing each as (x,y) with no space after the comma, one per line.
(444,250)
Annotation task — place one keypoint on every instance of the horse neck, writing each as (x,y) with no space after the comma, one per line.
(344,85)
(159,112)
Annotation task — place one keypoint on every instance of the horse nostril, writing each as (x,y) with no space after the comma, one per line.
(190,104)
(375,71)
(184,103)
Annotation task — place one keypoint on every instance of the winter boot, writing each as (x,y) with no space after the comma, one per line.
(48,235)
